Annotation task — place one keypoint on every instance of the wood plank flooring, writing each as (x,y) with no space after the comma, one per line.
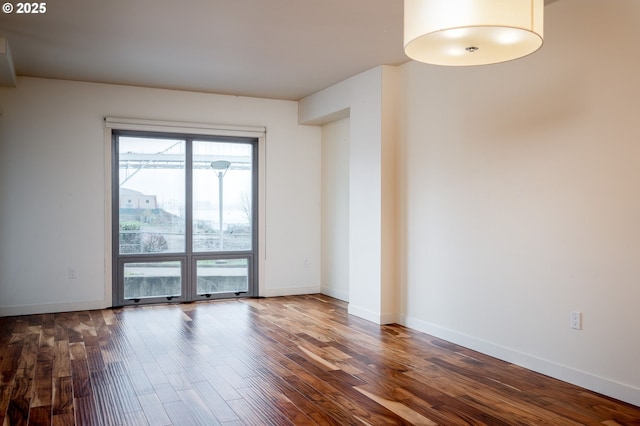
(280,361)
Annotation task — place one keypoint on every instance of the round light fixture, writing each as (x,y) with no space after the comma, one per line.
(472,32)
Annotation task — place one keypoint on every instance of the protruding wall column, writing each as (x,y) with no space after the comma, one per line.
(369,100)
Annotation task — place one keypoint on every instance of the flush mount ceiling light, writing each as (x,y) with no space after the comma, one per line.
(472,32)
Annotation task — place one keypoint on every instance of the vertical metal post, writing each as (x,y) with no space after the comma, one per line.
(220,200)
(220,167)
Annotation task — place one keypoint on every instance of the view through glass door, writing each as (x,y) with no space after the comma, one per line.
(184,217)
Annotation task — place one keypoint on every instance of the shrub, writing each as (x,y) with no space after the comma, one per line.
(154,243)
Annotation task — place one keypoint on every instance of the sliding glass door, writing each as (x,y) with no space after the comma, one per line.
(184,217)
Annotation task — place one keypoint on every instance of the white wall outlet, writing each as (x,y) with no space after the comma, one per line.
(72,274)
(576,320)
(306,263)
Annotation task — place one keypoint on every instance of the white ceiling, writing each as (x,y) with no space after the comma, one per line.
(279,49)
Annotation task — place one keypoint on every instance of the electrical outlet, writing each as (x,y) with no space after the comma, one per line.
(306,263)
(72,274)
(576,320)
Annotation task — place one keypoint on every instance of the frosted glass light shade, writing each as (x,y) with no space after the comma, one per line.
(472,32)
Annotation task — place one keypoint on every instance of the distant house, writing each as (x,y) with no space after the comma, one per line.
(130,199)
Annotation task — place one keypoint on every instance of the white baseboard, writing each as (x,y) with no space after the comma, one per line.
(375,317)
(49,308)
(335,293)
(621,391)
(290,291)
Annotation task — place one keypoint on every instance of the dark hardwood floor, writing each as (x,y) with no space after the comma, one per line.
(281,361)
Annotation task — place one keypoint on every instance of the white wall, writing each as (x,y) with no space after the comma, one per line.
(52,187)
(372,207)
(522,200)
(335,209)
